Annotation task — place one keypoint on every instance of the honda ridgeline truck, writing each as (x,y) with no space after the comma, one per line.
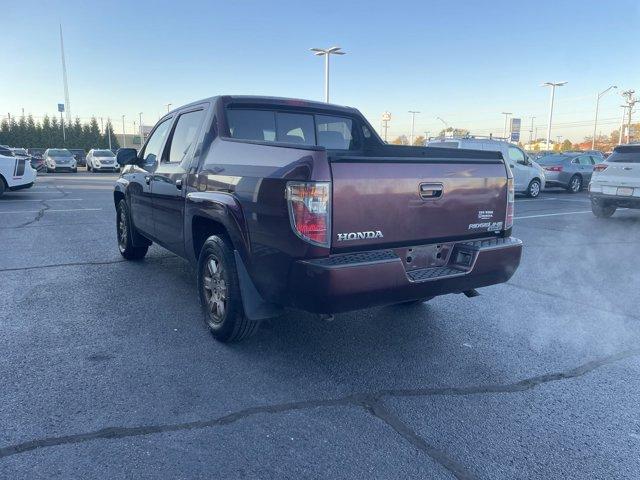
(291,203)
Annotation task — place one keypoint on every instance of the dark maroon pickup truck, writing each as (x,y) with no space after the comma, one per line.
(291,203)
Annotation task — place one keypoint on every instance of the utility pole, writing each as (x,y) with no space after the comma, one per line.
(553,86)
(101,125)
(327,52)
(109,132)
(595,123)
(67,105)
(168,105)
(140,125)
(624,114)
(506,119)
(124,139)
(413,122)
(531,131)
(386,118)
(64,135)
(631,101)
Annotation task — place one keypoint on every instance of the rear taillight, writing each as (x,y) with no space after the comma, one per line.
(511,200)
(553,169)
(310,211)
(601,167)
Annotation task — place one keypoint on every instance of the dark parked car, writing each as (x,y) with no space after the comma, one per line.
(571,171)
(281,202)
(37,158)
(80,156)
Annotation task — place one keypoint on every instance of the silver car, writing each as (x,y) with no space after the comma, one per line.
(99,160)
(571,171)
(56,159)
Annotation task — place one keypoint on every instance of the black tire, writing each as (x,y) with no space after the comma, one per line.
(219,292)
(88,168)
(75,170)
(3,186)
(533,190)
(416,302)
(575,184)
(602,211)
(125,232)
(49,170)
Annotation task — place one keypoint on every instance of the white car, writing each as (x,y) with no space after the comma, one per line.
(56,159)
(101,160)
(528,176)
(15,172)
(616,181)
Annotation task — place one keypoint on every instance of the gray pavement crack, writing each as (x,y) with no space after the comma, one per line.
(39,215)
(370,402)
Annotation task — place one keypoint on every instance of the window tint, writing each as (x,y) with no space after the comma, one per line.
(295,128)
(335,132)
(584,160)
(184,135)
(628,156)
(257,125)
(155,142)
(516,154)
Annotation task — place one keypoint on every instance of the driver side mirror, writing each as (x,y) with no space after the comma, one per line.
(127,156)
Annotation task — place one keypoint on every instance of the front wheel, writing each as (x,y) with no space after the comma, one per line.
(125,232)
(75,170)
(219,291)
(575,184)
(534,188)
(602,211)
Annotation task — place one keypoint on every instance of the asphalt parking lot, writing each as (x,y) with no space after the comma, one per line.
(108,370)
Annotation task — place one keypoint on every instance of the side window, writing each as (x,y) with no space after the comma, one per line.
(335,133)
(516,155)
(155,142)
(184,135)
(585,160)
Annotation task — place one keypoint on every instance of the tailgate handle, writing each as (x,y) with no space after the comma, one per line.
(431,190)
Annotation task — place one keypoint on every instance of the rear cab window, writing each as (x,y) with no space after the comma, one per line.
(329,131)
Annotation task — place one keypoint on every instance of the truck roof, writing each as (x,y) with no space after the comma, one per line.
(266,100)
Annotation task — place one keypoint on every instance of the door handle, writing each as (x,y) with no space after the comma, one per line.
(431,190)
(512,166)
(147,179)
(179,184)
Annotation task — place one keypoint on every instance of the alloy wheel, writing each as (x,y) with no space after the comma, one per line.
(215,289)
(534,190)
(122,228)
(575,184)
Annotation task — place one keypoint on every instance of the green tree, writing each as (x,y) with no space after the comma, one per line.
(419,141)
(108,132)
(401,140)
(566,145)
(56,134)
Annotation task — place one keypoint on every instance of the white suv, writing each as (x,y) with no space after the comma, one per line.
(528,176)
(616,181)
(15,172)
(99,160)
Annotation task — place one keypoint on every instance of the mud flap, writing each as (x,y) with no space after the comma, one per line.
(255,307)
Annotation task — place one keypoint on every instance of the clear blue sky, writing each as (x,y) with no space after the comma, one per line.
(463,61)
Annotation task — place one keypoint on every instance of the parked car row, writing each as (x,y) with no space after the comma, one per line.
(62,159)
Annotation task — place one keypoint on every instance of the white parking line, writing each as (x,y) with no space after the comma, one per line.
(552,214)
(55,210)
(48,200)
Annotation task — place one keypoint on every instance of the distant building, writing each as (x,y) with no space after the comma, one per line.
(540,145)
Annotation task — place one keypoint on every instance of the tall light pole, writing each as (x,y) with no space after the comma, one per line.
(327,52)
(413,123)
(506,120)
(168,105)
(67,104)
(629,96)
(595,122)
(140,125)
(624,114)
(531,131)
(553,86)
(109,131)
(124,139)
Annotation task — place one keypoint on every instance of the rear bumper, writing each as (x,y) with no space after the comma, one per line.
(364,279)
(615,200)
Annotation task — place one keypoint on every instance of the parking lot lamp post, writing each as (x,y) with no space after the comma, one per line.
(553,86)
(124,139)
(595,123)
(327,52)
(109,132)
(506,121)
(168,105)
(140,125)
(413,123)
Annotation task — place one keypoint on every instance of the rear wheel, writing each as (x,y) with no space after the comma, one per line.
(575,184)
(125,232)
(3,187)
(533,190)
(602,211)
(219,291)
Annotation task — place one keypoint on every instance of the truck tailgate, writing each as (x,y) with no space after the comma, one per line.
(413,201)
